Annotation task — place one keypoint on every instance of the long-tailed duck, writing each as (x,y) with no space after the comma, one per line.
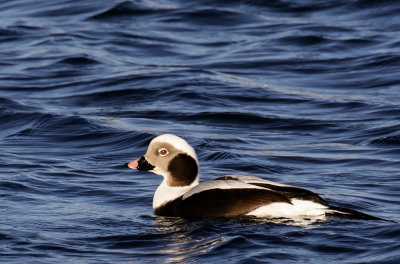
(180,193)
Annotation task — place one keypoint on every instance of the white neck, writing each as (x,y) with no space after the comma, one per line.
(165,193)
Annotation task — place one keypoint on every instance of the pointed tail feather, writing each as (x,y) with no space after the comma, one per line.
(349,214)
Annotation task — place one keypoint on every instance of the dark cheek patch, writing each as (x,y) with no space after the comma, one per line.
(183,169)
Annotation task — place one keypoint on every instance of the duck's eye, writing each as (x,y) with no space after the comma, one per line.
(163,152)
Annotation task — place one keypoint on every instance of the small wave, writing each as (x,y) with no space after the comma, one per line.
(253,119)
(124,9)
(382,61)
(112,97)
(19,124)
(14,186)
(232,242)
(127,241)
(373,9)
(8,104)
(307,40)
(17,32)
(5,237)
(297,6)
(213,16)
(8,35)
(387,141)
(221,155)
(60,248)
(78,61)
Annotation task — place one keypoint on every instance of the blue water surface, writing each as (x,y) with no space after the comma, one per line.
(302,92)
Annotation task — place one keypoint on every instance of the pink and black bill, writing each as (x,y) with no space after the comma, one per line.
(140,164)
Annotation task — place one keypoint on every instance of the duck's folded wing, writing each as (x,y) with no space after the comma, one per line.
(221,198)
(289,191)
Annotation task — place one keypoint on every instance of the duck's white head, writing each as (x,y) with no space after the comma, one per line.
(171,157)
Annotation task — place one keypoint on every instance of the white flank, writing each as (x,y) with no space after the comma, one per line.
(297,208)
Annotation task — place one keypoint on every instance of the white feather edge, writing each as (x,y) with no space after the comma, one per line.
(239,182)
(253,179)
(219,184)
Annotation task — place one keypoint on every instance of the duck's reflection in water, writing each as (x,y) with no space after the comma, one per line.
(184,238)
